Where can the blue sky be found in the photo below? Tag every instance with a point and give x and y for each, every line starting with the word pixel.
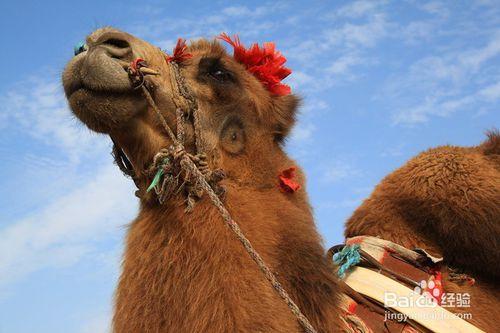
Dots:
pixel 381 82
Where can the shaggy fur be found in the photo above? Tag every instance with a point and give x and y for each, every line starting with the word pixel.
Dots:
pixel 187 272
pixel 447 201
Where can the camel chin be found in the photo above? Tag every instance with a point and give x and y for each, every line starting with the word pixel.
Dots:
pixel 105 112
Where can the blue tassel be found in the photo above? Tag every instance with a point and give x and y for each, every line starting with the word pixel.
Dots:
pixel 348 257
pixel 79 48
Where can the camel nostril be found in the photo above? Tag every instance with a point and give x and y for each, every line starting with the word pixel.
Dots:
pixel 115 46
pixel 114 43
pixel 118 43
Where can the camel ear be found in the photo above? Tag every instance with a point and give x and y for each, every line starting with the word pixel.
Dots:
pixel 283 115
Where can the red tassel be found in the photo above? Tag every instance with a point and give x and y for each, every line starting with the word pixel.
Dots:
pixel 138 62
pixel 287 184
pixel 179 54
pixel 265 63
pixel 436 291
pixel 438 282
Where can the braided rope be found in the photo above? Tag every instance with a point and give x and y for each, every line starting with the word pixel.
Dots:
pixel 180 125
pixel 190 167
pixel 182 88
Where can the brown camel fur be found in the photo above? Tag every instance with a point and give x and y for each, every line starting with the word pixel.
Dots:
pixel 447 201
pixel 187 272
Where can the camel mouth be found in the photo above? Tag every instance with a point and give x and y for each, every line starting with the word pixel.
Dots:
pixel 99 92
pixel 81 93
pixel 104 111
pixel 96 75
pixel 78 88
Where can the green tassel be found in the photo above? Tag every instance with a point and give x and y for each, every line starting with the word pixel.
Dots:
pixel 156 179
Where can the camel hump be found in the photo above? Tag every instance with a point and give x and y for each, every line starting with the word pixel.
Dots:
pixel 447 197
pixel 491 146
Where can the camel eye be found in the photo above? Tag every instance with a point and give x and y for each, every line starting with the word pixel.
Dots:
pixel 233 138
pixel 220 75
pixel 212 70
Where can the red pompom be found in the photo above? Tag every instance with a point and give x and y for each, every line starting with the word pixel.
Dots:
pixel 265 63
pixel 180 53
pixel 287 184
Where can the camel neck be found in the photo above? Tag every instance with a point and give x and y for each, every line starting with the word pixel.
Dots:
pixel 186 265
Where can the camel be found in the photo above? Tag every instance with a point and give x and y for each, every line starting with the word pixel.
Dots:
pixel 185 272
pixel 446 201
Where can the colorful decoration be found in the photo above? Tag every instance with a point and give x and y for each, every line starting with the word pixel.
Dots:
pixel 79 48
pixel 136 64
pixel 434 287
pixel 265 63
pixel 179 55
pixel 348 257
pixel 287 182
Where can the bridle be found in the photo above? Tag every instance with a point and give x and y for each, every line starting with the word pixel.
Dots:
pixel 167 174
pixel 175 170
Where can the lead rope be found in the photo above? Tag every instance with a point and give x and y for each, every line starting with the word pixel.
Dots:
pixel 191 168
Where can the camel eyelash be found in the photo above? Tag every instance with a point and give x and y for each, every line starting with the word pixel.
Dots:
pixel 212 69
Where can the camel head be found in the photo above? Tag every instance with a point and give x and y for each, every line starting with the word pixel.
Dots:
pixel 243 118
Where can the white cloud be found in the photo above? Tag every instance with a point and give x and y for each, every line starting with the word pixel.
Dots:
pixel 345 203
pixel 342 64
pixel 253 21
pixel 474 58
pixel 493 3
pixel 237 11
pixel 75 209
pixel 246 12
pixel 300 80
pixel 314 106
pixel 301 133
pixel 99 324
pixel 396 150
pixel 359 35
pixel 340 171
pixel 369 34
pixel 491 93
pixel 416 31
pixel 435 8
pixel 454 81
pixel 358 9
pixel 65 230
pixel 334 55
